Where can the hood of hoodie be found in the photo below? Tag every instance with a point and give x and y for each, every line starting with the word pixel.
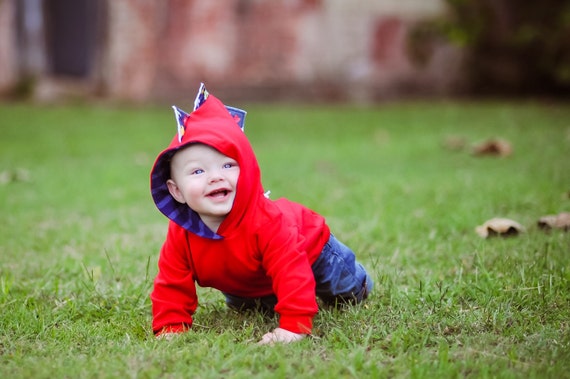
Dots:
pixel 210 124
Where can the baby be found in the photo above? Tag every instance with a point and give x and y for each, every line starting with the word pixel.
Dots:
pixel 275 256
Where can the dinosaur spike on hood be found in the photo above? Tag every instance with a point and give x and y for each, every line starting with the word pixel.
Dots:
pixel 181 116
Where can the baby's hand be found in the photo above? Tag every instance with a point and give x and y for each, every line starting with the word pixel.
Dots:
pixel 169 332
pixel 168 336
pixel 279 335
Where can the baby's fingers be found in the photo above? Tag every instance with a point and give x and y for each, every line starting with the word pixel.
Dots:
pixel 268 338
pixel 281 336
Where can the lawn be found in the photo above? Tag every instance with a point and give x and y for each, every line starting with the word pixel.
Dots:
pixel 79 242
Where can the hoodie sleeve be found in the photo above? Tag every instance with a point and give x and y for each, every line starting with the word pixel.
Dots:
pixel 174 298
pixel 288 265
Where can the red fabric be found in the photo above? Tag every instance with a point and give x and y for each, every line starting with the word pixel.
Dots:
pixel 267 247
pixel 178 328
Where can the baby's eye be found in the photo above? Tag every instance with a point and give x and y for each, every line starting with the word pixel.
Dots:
pixel 197 171
pixel 229 165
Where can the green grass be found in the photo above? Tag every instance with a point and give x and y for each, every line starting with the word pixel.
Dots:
pixel 79 241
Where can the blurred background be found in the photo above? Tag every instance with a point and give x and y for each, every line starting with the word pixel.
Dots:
pixel 283 50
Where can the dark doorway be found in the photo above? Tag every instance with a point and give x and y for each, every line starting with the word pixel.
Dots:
pixel 73 31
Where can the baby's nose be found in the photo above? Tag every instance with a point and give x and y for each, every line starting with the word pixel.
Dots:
pixel 215 176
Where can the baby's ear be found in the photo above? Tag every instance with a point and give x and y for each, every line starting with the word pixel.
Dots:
pixel 175 191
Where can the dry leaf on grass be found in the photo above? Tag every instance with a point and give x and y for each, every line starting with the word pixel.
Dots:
pixel 559 221
pixel 15 175
pixel 499 227
pixel 495 146
pixel 454 143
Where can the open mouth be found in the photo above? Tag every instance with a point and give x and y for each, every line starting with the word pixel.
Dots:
pixel 219 193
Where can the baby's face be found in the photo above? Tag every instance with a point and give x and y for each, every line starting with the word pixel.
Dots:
pixel 205 179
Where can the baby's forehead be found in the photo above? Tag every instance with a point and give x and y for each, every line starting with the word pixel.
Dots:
pixel 197 151
pixel 196 147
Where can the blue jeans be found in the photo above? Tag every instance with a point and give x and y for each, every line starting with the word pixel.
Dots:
pixel 339 279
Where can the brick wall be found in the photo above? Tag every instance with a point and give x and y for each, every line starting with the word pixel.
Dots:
pixel 260 49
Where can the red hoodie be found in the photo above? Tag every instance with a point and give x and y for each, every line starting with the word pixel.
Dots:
pixel 263 247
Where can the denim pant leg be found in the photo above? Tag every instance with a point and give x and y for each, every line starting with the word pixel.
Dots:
pixel 338 276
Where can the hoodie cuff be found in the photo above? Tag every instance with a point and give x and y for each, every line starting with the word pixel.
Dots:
pixel 176 328
pixel 296 324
